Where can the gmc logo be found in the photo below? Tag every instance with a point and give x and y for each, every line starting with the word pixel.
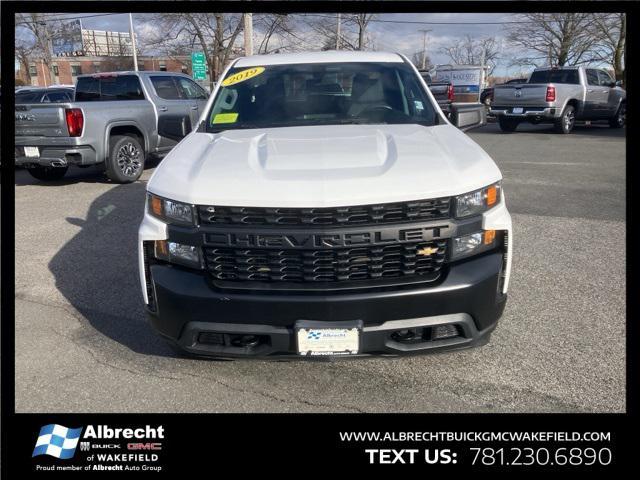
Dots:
pixel 25 117
pixel 144 446
pixel 326 240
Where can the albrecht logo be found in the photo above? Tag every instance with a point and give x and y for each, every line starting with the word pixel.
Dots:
pixel 57 441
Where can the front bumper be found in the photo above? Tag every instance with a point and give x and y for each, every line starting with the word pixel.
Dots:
pixel 186 307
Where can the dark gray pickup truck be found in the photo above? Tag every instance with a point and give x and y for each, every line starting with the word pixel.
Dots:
pixel 442 92
pixel 116 120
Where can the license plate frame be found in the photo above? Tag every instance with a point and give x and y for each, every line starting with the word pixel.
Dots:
pixel 31 152
pixel 328 339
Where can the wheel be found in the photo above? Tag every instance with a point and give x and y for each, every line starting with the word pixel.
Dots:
pixel 126 159
pixel 48 173
pixel 508 124
pixel 620 117
pixel 566 121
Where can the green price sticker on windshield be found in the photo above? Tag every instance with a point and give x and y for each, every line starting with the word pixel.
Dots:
pixel 242 76
pixel 224 118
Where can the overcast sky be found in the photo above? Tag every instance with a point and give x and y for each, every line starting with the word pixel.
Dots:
pixel 400 37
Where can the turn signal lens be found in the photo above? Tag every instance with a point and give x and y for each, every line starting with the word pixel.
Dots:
pixel 492 195
pixel 489 236
pixel 156 206
pixel 161 250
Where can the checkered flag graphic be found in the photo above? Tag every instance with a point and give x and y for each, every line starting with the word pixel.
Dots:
pixel 57 441
pixel 314 335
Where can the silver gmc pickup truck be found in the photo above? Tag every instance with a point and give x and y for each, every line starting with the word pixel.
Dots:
pixel 116 121
pixel 561 95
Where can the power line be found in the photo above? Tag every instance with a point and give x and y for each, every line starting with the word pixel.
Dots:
pixel 418 22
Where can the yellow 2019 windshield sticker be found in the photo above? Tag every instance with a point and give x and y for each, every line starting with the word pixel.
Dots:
pixel 224 118
pixel 242 76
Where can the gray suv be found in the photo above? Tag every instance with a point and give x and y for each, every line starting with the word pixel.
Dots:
pixel 116 120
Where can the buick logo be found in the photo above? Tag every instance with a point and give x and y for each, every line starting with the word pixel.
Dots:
pixel 517 92
pixel 25 117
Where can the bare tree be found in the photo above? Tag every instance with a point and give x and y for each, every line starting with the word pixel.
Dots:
pixel 611 30
pixel 353 35
pixel 40 30
pixel 24 50
pixel 361 22
pixel 555 39
pixel 214 33
pixel 274 27
pixel 321 33
pixel 474 51
pixel 416 59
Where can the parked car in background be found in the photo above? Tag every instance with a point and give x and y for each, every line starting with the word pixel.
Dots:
pixel 44 95
pixel 486 96
pixel 442 91
pixel 561 95
pixel 116 120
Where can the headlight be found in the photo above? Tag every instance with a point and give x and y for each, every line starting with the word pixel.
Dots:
pixel 171 211
pixel 173 252
pixel 473 244
pixel 478 201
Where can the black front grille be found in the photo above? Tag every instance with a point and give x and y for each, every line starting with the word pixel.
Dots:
pixel 386 213
pixel 401 260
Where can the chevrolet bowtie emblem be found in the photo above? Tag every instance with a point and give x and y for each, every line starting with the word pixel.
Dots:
pixel 426 251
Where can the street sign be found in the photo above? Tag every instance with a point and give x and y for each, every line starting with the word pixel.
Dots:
pixel 198 66
pixel 67 39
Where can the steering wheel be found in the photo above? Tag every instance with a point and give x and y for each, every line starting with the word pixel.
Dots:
pixel 377 108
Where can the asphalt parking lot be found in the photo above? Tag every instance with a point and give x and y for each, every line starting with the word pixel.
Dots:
pixel 83 345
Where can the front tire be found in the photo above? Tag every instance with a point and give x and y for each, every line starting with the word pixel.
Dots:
pixel 566 121
pixel 618 120
pixel 508 124
pixel 126 159
pixel 48 174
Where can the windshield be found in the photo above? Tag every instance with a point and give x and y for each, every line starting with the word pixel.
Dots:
pixel 320 94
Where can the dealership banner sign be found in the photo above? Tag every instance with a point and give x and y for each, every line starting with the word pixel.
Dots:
pixel 68 38
pixel 463 80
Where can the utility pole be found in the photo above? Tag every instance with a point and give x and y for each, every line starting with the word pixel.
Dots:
pixel 133 43
pixel 424 48
pixel 248 34
pixel 48 54
pixel 338 34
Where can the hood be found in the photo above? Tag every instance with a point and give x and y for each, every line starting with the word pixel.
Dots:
pixel 323 166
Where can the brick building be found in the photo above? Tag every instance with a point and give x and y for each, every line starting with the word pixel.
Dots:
pixel 67 69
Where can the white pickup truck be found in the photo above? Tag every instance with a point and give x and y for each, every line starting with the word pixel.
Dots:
pixel 325 206
pixel 560 95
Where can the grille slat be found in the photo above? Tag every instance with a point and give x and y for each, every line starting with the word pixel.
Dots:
pixel 385 213
pixel 334 265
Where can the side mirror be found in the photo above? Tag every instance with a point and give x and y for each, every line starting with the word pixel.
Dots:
pixel 466 116
pixel 617 83
pixel 174 127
